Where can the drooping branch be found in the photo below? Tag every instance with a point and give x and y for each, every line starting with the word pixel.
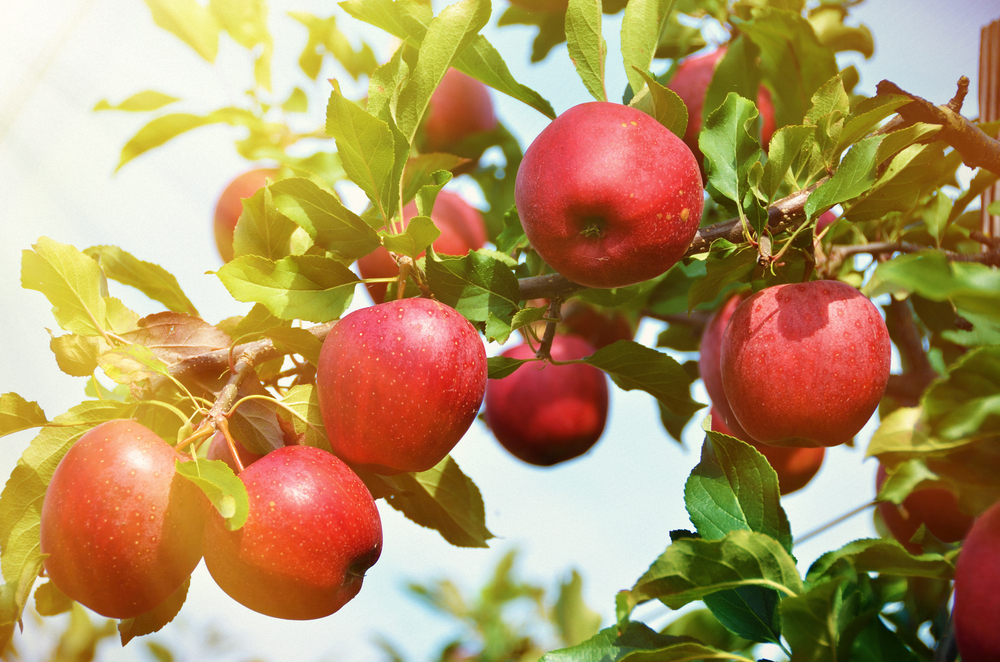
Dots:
pixel 978 150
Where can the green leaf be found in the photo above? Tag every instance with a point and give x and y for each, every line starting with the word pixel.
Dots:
pixel 750 612
pixel 965 405
pixel 794 62
pixel 786 145
pixel 867 116
pixel 308 424
pixel 324 34
pixel 419 234
pixel 154 619
pixel 77 355
pixel 634 366
pixel 409 21
pixel 447 35
pixel 573 619
pixel 71 281
pixel 662 104
pixel 372 151
pixel 263 230
pixel 444 499
pixel 636 642
pixel 730 150
pixel 720 272
pixel 811 622
pixel 190 22
pixel 691 569
pixel 166 127
pixel 50 601
pixel 499 367
pixel 296 340
pixel 702 625
pixel 140 102
pixel 306 287
pixel 587 48
pixel 386 84
pixel 318 211
pixel 129 364
pixel 734 488
pixel 21 499
pixel 476 285
pixel 421 169
pixel 911 174
pixel 855 176
pixel 736 72
pixel 877 642
pixel 244 20
pixel 886 557
pixel 151 279
pixel 224 489
pixel 830 107
pixel 642 24
pixel 18 414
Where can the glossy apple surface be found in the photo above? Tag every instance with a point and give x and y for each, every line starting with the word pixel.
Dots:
pixel 691 83
pixel 795 466
pixel 976 612
pixel 608 196
pixel 805 364
pixel 935 507
pixel 121 528
pixel 230 206
pixel 545 414
pixel 462 230
pixel 710 363
pixel 312 532
pixel 459 108
pixel 399 384
pixel 218 449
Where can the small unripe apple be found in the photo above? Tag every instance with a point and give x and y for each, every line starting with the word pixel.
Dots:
pixel 976 612
pixel 795 466
pixel 691 82
pixel 545 414
pixel 608 196
pixel 934 507
pixel 230 206
pixel 312 532
pixel 399 384
pixel 218 449
pixel 805 364
pixel 462 230
pixel 598 327
pixel 459 108
pixel 121 529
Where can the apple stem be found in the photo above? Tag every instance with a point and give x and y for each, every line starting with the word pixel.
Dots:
pixel 552 317
pixel 223 425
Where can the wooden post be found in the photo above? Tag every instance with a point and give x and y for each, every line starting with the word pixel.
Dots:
pixel 989 110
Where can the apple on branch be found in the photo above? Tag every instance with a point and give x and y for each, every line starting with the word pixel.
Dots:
pixel 976 612
pixel 230 206
pixel 934 507
pixel 399 384
pixel 460 108
pixel 805 364
pixel 608 196
pixel 546 414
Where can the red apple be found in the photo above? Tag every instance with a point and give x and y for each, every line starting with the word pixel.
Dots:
pixel 399 383
pixel 312 532
pixel 598 327
pixel 690 83
pixel 825 220
pixel 230 206
pixel 218 449
pixel 935 507
pixel 795 466
pixel 459 108
pixel 545 414
pixel 608 196
pixel 462 230
pixel 710 364
pixel 977 591
pixel 121 529
pixel 805 364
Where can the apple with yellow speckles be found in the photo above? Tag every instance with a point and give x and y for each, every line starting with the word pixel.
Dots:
pixel 312 532
pixel 805 364
pixel 608 196
pixel 399 384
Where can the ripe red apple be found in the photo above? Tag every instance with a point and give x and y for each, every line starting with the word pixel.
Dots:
pixel 935 507
pixel 710 364
pixel 598 327
pixel 795 466
pixel 218 449
pixel 805 364
pixel 459 108
pixel 399 383
pixel 825 220
pixel 312 532
pixel 977 591
pixel 545 414
pixel 230 206
pixel 690 83
pixel 608 196
pixel 121 529
pixel 462 230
